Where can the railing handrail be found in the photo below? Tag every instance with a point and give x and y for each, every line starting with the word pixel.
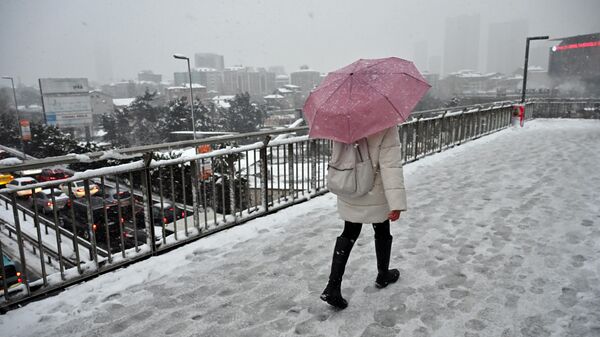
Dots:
pixel 139 150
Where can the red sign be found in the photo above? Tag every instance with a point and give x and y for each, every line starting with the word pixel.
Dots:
pixel 577 46
pixel 25 130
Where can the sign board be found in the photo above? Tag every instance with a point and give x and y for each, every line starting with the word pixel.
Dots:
pixel 64 85
pixel 25 130
pixel 68 110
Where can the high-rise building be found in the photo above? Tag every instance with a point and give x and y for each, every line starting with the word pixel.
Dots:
pixel 282 80
pixel 149 76
pixel 211 78
pixel 434 65
pixel 421 55
pixel 102 60
pixel 209 60
pixel 461 43
pixel 278 70
pixel 506 46
pixel 306 79
pixel 242 79
pixel 124 89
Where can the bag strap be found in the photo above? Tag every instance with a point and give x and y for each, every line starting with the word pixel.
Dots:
pixel 362 143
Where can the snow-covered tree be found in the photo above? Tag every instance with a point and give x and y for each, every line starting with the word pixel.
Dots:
pixel 143 115
pixel 176 117
pixel 117 128
pixel 49 141
pixel 9 132
pixel 241 116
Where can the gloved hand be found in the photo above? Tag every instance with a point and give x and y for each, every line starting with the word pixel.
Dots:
pixel 394 215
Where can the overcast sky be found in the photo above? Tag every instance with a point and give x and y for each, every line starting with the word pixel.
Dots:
pixel 115 38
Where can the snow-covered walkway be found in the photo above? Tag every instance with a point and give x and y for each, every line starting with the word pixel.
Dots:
pixel 502 239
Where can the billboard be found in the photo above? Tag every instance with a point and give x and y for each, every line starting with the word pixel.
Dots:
pixel 68 110
pixel 66 102
pixel 576 57
pixel 64 85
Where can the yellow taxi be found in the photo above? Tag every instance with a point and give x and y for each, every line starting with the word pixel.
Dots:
pixel 5 178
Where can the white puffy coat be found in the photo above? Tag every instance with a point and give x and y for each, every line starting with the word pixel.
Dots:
pixel 388 192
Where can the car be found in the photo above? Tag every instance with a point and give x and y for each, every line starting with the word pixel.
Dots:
pixel 52 174
pixel 159 218
pixel 142 235
pixel 5 178
pixel 78 188
pixel 13 276
pixel 99 222
pixel 111 196
pixel 165 214
pixel 43 200
pixel 21 182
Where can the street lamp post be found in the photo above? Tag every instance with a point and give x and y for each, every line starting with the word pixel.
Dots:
pixel 12 82
pixel 526 61
pixel 182 57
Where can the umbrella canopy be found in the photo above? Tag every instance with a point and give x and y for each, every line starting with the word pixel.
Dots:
pixel 364 98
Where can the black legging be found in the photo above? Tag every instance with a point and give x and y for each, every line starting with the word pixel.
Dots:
pixel 352 230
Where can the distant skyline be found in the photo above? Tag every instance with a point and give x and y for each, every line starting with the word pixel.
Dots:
pixel 113 40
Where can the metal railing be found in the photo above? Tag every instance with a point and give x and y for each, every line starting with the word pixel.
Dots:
pixel 155 205
pixel 575 108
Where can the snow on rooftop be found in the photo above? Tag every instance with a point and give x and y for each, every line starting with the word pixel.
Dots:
pixel 274 96
pixel 187 86
pixel 235 68
pixel 536 68
pixel 204 69
pixel 223 100
pixel 123 101
pixel 500 239
pixel 284 90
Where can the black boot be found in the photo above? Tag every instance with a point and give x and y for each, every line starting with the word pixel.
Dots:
pixel 332 293
pixel 385 276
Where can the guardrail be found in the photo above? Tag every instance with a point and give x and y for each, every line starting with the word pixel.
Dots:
pixel 223 188
pixel 576 108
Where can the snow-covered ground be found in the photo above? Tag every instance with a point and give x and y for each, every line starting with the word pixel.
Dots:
pixel 502 239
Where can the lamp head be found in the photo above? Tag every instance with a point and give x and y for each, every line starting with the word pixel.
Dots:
pixel 180 56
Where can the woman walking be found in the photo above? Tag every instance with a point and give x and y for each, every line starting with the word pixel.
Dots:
pixel 380 206
pixel 366 99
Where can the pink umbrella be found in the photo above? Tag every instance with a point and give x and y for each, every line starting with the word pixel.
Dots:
pixel 364 98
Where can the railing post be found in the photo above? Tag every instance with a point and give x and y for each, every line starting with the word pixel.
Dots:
pixel 147 200
pixel 441 135
pixel 59 241
pixel 20 243
pixel 461 127
pixel 3 273
pixel 313 164
pixel 74 231
pixel 416 138
pixel 264 174
pixel 195 197
pixel 291 180
pixel 232 199
pixel 39 238
pixel 404 138
pixel 90 223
